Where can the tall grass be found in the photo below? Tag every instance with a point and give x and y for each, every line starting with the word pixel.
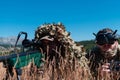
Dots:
pixel 59 68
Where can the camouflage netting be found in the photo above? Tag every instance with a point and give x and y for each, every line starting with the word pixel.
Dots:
pixel 64 59
pixel 58 37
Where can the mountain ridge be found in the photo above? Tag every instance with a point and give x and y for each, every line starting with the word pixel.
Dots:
pixel 9 40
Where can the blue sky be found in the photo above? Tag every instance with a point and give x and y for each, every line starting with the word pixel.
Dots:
pixel 80 17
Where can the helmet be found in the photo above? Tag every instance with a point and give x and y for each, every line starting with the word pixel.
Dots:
pixel 106 36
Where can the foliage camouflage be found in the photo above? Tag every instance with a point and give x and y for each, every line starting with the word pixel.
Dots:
pixel 62 54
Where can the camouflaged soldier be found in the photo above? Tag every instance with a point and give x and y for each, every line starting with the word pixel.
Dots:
pixel 105 56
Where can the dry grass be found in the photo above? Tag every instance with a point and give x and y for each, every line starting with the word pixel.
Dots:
pixel 50 71
pixel 2 71
pixel 59 68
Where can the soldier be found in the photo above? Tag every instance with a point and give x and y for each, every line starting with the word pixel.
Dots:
pixel 104 58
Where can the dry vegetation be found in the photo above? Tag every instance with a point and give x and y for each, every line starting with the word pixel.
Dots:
pixel 64 60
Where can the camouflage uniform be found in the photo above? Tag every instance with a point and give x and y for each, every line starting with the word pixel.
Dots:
pixel 96 59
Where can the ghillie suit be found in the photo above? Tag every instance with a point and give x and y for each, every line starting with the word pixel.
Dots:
pixel 97 59
pixel 64 60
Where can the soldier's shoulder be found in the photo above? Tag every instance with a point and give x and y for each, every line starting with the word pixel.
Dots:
pixel 118 50
pixel 119 47
pixel 95 49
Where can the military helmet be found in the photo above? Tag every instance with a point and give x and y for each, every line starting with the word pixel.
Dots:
pixel 106 36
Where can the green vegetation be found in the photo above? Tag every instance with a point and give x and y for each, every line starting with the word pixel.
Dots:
pixel 88 44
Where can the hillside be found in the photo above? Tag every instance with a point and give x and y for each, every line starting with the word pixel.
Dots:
pixel 9 40
pixel 88 44
pixel 7 44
